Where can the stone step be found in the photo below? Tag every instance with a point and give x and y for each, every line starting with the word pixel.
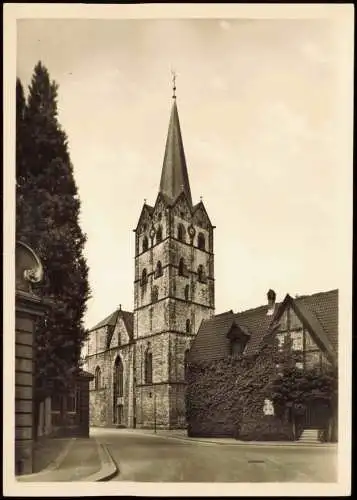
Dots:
pixel 310 436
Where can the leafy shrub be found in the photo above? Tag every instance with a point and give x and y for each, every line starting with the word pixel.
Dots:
pixel 267 428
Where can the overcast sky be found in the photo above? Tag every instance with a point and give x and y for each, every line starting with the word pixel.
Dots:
pixel 259 105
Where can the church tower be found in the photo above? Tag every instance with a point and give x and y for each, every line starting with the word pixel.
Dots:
pixel 173 288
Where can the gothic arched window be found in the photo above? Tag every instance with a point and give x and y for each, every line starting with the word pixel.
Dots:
pixel 118 378
pixel 181 232
pixel 201 241
pixel 158 271
pixel 148 366
pixel 186 362
pixel 181 267
pixel 188 326
pixel 154 294
pixel 145 243
pixel 159 234
pixel 97 378
pixel 144 277
pixel 187 292
pixel 200 273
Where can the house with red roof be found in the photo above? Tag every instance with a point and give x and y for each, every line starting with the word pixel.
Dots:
pixel 310 323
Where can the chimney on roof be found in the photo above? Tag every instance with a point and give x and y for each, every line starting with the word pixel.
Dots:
pixel 119 307
pixel 271 297
pixel 271 302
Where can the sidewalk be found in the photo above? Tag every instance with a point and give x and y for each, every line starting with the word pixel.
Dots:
pixel 182 435
pixel 79 459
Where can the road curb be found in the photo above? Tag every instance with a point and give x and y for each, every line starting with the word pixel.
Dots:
pixel 54 465
pixel 286 444
pixel 256 443
pixel 108 469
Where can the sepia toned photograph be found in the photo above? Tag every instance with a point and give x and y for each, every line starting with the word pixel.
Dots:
pixel 179 222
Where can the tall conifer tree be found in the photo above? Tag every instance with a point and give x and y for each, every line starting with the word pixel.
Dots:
pixel 48 209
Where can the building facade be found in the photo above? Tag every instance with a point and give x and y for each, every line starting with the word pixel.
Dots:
pixel 305 330
pixel 139 359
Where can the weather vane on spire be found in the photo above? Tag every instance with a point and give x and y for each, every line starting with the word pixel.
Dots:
pixel 173 84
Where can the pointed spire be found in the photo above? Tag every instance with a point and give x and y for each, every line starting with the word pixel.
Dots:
pixel 174 176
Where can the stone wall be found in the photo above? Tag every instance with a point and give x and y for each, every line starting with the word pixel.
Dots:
pixel 101 401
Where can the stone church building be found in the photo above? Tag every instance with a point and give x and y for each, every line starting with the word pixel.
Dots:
pixel 138 358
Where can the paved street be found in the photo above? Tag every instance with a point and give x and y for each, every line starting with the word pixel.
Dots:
pixel 146 457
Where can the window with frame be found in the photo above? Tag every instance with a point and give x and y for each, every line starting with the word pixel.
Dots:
pixel 145 244
pixel 148 366
pixel 237 347
pixel 181 268
pixel 158 271
pixel 188 326
pixel 200 273
pixel 281 341
pixel 187 292
pixel 181 232
pixel 159 234
pixel 118 377
pixel 201 241
pixel 97 378
pixel 154 294
pixel 144 277
pixel 297 341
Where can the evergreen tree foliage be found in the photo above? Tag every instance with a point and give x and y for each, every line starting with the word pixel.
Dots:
pixel 48 209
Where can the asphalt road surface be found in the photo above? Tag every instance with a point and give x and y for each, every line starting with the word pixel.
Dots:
pixel 146 457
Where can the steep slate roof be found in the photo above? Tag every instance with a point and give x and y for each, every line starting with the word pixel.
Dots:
pixel 174 176
pixel 111 320
pixel 108 321
pixel 324 307
pixel 211 336
pixel 319 310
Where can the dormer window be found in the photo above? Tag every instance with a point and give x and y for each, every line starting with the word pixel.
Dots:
pixel 238 336
pixel 145 244
pixel 237 347
pixel 181 232
pixel 201 241
pixel 159 234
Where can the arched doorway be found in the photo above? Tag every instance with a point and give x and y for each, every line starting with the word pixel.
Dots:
pixel 118 392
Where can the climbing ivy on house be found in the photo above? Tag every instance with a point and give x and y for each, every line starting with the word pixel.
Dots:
pixel 226 396
pixel 293 390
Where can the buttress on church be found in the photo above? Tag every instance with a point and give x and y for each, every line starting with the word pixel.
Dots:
pixel 139 359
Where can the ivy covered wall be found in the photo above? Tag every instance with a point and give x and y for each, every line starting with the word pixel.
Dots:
pixel 226 397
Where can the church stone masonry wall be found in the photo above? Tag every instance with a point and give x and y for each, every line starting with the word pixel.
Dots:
pixel 153 400
pixel 101 401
